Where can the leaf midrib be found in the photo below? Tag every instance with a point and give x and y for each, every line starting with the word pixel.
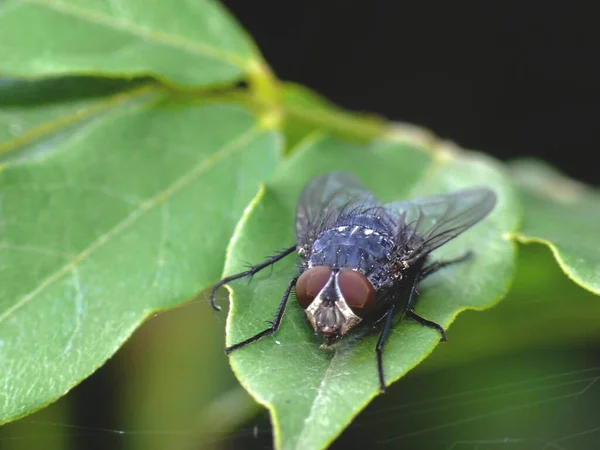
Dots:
pixel 227 149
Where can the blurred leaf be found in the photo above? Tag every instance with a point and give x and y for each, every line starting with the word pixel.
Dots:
pixel 312 393
pixel 30 94
pixel 32 111
pixel 47 429
pixel 305 112
pixel 130 215
pixel 537 399
pixel 170 372
pixel 563 214
pixel 186 42
pixel 543 309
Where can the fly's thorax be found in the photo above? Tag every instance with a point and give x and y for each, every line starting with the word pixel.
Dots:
pixel 356 247
pixel 335 300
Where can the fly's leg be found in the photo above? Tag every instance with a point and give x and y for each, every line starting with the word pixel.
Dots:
pixel 411 301
pixel 434 267
pixel 274 324
pixel 248 273
pixel 387 324
pixel 428 323
pixel 387 318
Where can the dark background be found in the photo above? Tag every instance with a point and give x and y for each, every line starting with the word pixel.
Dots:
pixel 507 78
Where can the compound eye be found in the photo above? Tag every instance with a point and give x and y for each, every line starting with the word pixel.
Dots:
pixel 357 291
pixel 311 283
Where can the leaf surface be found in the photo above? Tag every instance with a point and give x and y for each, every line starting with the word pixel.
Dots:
pixel 563 214
pixel 186 42
pixel 312 393
pixel 33 111
pixel 129 215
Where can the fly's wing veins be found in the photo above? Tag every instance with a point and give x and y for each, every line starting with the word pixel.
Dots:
pixel 430 222
pixel 324 199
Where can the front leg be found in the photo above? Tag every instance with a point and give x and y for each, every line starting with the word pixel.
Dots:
pixel 274 324
pixel 248 273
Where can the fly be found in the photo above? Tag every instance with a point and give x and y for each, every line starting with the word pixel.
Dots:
pixel 361 261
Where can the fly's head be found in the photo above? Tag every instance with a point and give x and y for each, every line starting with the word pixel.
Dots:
pixel 335 300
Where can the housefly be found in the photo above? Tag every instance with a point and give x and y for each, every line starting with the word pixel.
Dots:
pixel 361 261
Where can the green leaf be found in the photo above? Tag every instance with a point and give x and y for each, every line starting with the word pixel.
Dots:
pixel 313 394
pixel 186 42
pixel 130 215
pixel 541 301
pixel 563 214
pixel 31 111
pixel 306 112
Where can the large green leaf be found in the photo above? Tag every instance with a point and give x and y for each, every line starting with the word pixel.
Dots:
pixel 129 215
pixel 187 42
pixel 563 214
pixel 312 393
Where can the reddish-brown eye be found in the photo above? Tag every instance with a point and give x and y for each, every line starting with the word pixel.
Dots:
pixel 310 284
pixel 357 291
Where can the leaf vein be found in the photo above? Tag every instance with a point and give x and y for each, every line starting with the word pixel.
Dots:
pixel 319 395
pixel 159 199
pixel 62 122
pixel 78 300
pixel 160 257
pixel 197 48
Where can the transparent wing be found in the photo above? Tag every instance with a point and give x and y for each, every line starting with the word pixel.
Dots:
pixel 428 223
pixel 324 199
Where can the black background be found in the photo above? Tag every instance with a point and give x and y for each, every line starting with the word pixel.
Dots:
pixel 507 78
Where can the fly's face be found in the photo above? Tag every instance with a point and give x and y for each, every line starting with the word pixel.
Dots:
pixel 335 300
